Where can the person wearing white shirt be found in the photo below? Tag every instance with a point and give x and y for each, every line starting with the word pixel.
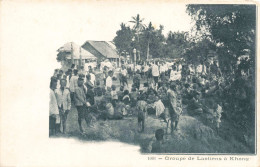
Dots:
pixel 73 84
pixel 138 67
pixel 124 76
pixel 54 119
pixel 64 102
pixel 155 74
pixel 109 80
pixel 174 74
pixel 92 77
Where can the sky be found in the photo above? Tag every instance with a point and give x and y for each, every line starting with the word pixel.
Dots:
pixel 47 26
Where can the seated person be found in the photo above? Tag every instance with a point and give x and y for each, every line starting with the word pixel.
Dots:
pixel 122 108
pixel 133 96
pixel 120 93
pixel 136 80
pixel 158 106
pixel 151 96
pixel 107 95
pixel 109 113
pixel 99 91
pixel 126 98
pixel 194 106
pixel 162 93
pixel 114 96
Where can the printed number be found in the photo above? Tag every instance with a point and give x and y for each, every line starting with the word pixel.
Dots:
pixel 151 158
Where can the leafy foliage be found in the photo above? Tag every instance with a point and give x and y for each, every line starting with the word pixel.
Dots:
pixel 61 56
pixel 147 38
pixel 123 38
pixel 176 44
pixel 231 28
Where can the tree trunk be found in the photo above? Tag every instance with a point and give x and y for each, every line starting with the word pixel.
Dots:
pixel 72 60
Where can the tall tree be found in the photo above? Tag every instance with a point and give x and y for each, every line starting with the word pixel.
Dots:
pixel 231 27
pixel 155 39
pixel 123 39
pixel 138 27
pixel 176 44
pixel 138 23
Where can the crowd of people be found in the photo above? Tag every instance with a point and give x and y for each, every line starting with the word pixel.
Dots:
pixel 159 88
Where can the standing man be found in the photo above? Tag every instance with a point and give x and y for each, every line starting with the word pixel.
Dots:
pixel 81 103
pixel 155 74
pixel 64 102
pixel 73 84
pixel 92 76
pixel 54 119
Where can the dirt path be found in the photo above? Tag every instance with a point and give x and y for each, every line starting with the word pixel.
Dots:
pixel 192 136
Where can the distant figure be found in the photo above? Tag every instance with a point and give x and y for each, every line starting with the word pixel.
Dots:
pixel 155 74
pixel 109 80
pixel 73 67
pixel 56 71
pixel 92 76
pixel 73 84
pixel 123 76
pixel 114 96
pixel 90 90
pixel 157 146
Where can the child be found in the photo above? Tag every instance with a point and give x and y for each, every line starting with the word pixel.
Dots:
pixel 99 91
pixel 114 96
pixel 133 96
pixel 217 116
pixel 120 93
pixel 121 108
pixel 141 109
pixel 157 146
pixel 136 80
pixel 162 93
pixel 126 98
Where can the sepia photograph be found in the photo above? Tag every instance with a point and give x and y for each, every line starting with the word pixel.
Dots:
pixel 189 89
pixel 128 83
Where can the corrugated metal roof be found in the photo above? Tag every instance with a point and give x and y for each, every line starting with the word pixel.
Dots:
pixel 105 48
pixel 77 50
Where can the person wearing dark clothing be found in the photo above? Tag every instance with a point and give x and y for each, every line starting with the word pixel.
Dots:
pixel 157 146
pixel 90 92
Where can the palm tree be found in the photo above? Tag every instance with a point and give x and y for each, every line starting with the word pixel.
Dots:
pixel 123 26
pixel 149 30
pixel 138 23
pixel 138 27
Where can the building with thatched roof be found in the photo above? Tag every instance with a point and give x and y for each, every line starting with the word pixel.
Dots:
pixel 71 53
pixel 102 50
